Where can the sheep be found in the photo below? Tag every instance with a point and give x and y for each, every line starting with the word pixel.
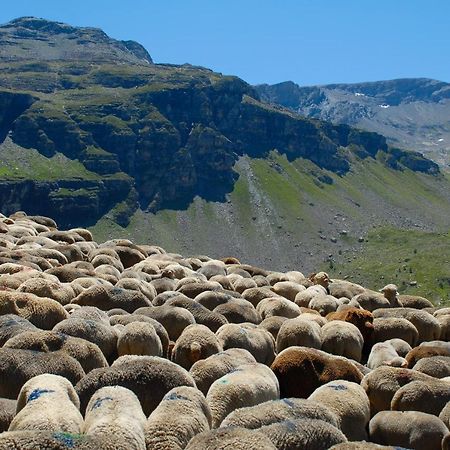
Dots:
pixel 303 298
pixel 257 341
pixel 48 403
pixel 130 318
pixel 18 366
pixel 212 299
pixel 42 312
pixel 248 385
pixel 241 284
pixel 391 294
pixel 301 370
pixel 224 281
pixel 273 324
pixel 139 338
pixel 384 354
pixel 273 411
pixel 69 272
pixel 343 339
pixel 444 323
pixel 303 434
pixel 400 346
pixel 371 300
pixel 230 438
pixel 211 268
pixel 238 310
pixel 105 298
pixel 142 286
pixel 149 377
pixel 90 313
pixel 63 293
pixel 182 414
pixel 7 413
pixel 409 429
pixel 299 332
pixel 11 325
pixel 427 325
pixel 208 370
pixel 172 318
pixel 114 412
pixel 93 331
pixel 417 353
pixel 288 289
pixel 414 301
pixel 255 295
pixel 191 290
pixel 435 366
pixel 277 306
pixel 344 288
pixel 86 353
pixel 349 402
pixel 382 383
pixel 428 396
pixel 362 446
pixel 395 327
pixel 444 415
pixel 202 315
pixel 195 343
pixel 362 319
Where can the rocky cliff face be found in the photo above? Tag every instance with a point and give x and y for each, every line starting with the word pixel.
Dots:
pixel 168 133
pixel 411 113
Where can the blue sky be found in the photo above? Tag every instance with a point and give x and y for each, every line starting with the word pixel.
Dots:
pixel 307 41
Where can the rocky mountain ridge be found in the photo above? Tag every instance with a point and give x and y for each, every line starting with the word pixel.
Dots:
pixel 412 113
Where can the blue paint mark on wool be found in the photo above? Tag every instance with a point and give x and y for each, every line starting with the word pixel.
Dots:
pixel 99 402
pixel 37 393
pixel 69 440
pixel 175 396
pixel 338 387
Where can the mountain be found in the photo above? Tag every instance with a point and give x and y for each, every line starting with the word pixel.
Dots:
pixel 191 158
pixel 412 113
pixel 31 38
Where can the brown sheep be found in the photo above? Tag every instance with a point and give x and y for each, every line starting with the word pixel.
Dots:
pixel 301 370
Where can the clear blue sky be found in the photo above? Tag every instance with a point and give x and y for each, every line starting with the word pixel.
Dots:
pixel 307 41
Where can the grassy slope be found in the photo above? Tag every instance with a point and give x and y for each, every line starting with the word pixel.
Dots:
pixel 18 163
pixel 281 216
pixel 404 257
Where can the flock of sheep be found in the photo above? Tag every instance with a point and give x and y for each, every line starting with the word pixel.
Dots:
pixel 124 346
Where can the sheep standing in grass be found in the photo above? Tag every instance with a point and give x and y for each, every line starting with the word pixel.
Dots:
pixel 48 402
pixel 115 413
pixel 182 414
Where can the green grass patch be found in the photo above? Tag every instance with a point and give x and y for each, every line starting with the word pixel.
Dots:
pixel 417 262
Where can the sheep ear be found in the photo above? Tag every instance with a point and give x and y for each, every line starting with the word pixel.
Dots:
pixel 73 397
pixel 21 400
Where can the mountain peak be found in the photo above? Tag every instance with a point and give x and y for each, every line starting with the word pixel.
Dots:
pixel 34 38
